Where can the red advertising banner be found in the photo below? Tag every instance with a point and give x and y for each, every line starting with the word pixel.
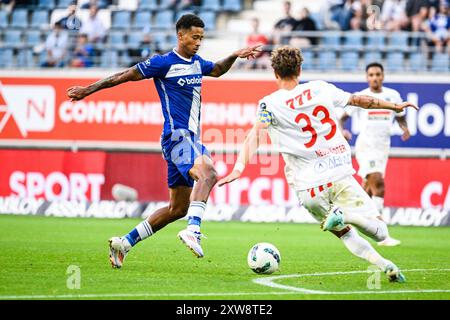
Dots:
pixel 52 175
pixel 64 175
pixel 38 109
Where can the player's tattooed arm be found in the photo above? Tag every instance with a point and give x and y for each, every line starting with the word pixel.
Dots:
pixel 368 102
pixel 221 67
pixel 130 74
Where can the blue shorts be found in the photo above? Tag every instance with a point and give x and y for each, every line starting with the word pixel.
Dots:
pixel 180 149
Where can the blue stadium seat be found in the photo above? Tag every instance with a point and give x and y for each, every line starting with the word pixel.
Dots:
pixel 160 39
pixel 440 62
pixel 134 39
pixel 165 4
pixel 6 58
pixel 209 18
pixel 372 56
pixel 327 60
pixel 394 61
pixel 331 40
pixel 232 5
pixel 125 59
pixel 116 39
pixel 213 5
pixel 13 38
pixel 164 19
pixel 121 20
pixel 19 18
pixel 3 19
pixel 375 40
pixel 39 19
pixel 25 58
pixel 180 13
pixel 398 41
pixel 47 4
pixel 417 62
pixel 353 40
pixel 142 20
pixel 63 3
pixel 349 61
pixel 148 4
pixel 33 37
pixel 308 60
pixel 109 59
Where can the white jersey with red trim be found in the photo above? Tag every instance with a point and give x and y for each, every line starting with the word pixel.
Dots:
pixel 303 127
pixel 376 125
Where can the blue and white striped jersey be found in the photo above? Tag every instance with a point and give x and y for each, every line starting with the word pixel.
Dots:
pixel 178 81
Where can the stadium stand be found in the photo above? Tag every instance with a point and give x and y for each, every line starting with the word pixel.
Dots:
pixel 27 26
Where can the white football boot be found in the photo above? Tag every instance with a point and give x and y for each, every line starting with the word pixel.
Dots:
pixel 192 240
pixel 389 242
pixel 394 274
pixel 118 250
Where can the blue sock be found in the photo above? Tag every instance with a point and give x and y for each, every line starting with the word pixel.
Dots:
pixel 142 231
pixel 195 214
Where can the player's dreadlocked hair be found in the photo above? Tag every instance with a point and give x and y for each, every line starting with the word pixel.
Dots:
pixel 286 61
pixel 189 20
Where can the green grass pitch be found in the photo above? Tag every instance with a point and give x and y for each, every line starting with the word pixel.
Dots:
pixel 37 253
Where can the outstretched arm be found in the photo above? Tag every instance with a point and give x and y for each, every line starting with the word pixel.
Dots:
pixel 368 102
pixel 224 65
pixel 130 74
pixel 248 150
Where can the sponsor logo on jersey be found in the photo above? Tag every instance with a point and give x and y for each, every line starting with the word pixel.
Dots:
pixel 190 81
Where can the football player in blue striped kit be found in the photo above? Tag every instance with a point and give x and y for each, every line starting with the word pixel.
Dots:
pixel 177 77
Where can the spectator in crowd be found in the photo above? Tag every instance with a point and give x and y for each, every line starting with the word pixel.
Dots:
pixel 7 5
pixel 284 25
pixel 304 23
pixel 342 12
pixel 416 11
pixel 93 26
pixel 71 21
pixel 56 47
pixel 370 15
pixel 393 15
pixel 437 28
pixel 83 53
pixel 262 59
pixel 144 51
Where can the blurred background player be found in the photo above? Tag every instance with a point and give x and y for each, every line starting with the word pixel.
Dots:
pixel 374 140
pixel 301 123
pixel 177 76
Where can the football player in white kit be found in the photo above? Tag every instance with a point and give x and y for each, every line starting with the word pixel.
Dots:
pixel 374 140
pixel 302 125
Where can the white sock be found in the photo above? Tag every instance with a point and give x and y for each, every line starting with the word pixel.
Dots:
pixel 371 227
pixel 360 247
pixel 195 214
pixel 379 203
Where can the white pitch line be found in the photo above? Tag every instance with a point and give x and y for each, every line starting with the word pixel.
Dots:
pixel 269 282
pixel 290 291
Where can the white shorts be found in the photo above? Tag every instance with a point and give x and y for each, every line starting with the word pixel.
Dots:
pixel 347 194
pixel 371 162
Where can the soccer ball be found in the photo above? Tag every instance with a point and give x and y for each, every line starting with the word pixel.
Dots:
pixel 264 258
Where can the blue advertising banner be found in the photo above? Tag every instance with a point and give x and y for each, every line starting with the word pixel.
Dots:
pixel 429 127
